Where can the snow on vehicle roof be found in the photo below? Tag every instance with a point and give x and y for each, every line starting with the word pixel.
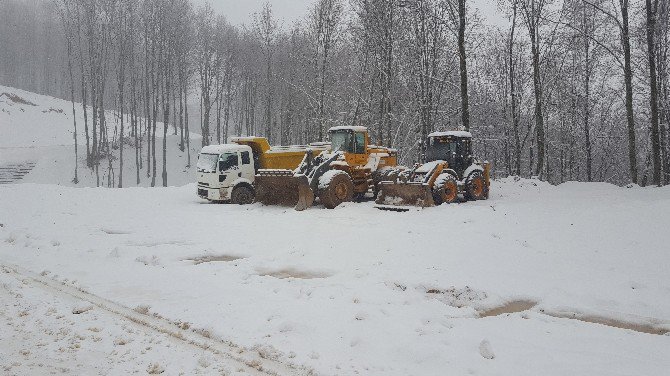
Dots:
pixel 218 149
pixel 451 133
pixel 300 148
pixel 244 138
pixel 348 128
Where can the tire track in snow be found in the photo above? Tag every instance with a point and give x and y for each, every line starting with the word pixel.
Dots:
pixel 235 356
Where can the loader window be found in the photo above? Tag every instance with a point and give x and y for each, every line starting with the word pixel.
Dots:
pixel 227 161
pixel 441 148
pixel 341 141
pixel 359 143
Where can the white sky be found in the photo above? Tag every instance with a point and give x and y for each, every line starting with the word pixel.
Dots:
pixel 240 11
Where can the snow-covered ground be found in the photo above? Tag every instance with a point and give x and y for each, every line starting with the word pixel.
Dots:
pixel 538 280
pixel 38 129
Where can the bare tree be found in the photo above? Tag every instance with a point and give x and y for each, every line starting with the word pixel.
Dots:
pixel 652 10
pixel 206 55
pixel 266 28
pixel 325 19
pixel 533 11
pixel 67 18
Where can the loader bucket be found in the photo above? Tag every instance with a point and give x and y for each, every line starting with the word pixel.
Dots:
pixel 405 194
pixel 283 188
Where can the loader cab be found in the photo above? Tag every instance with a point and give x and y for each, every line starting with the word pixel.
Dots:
pixel 454 147
pixel 351 140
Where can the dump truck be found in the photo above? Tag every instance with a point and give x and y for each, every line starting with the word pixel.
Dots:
pixel 450 170
pixel 250 170
pixel 226 173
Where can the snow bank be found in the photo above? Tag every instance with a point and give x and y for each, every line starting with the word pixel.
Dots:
pixel 39 129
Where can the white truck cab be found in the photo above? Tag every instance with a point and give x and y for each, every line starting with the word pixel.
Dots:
pixel 226 173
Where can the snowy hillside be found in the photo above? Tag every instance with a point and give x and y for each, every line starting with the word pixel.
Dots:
pixel 539 280
pixel 37 138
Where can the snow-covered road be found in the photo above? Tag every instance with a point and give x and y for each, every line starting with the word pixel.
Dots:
pixel 518 285
pixel 58 328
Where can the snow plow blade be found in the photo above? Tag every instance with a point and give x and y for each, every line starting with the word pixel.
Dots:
pixel 283 188
pixel 404 194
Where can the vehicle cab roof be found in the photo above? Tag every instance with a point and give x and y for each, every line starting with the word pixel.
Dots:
pixel 348 128
pixel 224 148
pixel 463 134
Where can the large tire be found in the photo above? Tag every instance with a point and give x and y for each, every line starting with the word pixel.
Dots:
pixel 475 186
pixel 445 189
pixel 242 195
pixel 339 189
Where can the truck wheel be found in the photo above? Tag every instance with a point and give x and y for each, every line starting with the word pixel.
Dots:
pixel 475 186
pixel 445 189
pixel 339 189
pixel 242 195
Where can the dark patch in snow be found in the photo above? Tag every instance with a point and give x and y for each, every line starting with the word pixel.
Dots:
pixel 14 172
pixel 456 297
pixel 82 309
pixel 16 99
pixel 56 110
pixel 287 273
pixel 213 258
pixel 158 243
pixel 652 326
pixel 109 231
pixel 514 306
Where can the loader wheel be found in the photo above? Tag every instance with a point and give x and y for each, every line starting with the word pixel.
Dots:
pixel 338 190
pixel 242 196
pixel 475 186
pixel 446 189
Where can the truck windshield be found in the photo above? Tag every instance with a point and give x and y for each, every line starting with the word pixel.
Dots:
pixel 207 162
pixel 227 161
pixel 341 141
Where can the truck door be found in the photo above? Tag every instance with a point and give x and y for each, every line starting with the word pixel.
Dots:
pixel 247 166
pixel 229 168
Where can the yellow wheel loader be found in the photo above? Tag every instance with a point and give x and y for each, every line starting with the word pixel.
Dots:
pixel 450 170
pixel 347 169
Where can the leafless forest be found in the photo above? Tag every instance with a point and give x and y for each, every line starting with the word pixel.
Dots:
pixel 571 90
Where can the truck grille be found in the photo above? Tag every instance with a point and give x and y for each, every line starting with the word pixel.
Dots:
pixel 202 192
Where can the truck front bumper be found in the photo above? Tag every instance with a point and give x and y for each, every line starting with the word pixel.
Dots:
pixel 213 194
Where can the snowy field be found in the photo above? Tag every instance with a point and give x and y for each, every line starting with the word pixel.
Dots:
pixel 538 280
pixel 356 290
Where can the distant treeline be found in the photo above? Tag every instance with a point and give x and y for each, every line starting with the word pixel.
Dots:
pixel 571 90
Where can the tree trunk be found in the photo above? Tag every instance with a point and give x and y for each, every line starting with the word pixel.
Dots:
pixel 587 92
pixel 69 32
pixel 513 95
pixel 187 134
pixel 465 110
pixel 539 117
pixel 628 78
pixel 653 97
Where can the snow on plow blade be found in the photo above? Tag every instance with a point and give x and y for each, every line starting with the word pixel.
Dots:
pixel 284 188
pixel 405 194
